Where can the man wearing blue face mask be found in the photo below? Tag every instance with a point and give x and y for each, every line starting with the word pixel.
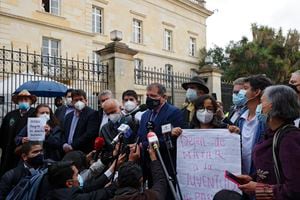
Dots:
pixel 239 101
pixel 194 89
pixel 12 124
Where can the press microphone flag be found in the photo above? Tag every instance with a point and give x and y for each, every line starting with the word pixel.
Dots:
pixel 123 128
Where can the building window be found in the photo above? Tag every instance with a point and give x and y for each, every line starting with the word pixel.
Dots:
pixel 97 20
pixel 192 47
pixel 51 51
pixel 138 65
pixel 51 6
pixel 137 26
pixel 168 40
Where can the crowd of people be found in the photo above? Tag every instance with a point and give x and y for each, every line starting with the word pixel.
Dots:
pixel 107 153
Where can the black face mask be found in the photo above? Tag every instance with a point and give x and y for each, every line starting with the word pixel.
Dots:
pixel 152 103
pixel 36 161
pixel 294 87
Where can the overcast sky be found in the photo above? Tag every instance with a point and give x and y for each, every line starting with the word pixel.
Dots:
pixel 232 19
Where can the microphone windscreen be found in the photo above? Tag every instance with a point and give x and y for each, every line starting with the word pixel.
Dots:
pixel 99 143
pixel 152 138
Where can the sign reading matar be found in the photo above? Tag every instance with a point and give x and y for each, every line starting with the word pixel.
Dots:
pixel 202 157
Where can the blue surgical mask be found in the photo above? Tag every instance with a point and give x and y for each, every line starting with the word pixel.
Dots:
pixel 240 98
pixel 260 116
pixel 80 180
pixel 23 105
pixel 191 94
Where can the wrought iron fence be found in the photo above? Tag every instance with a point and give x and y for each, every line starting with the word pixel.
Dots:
pixel 18 67
pixel 147 75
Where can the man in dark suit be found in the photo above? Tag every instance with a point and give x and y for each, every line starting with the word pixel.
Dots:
pixel 63 110
pixel 160 113
pixel 81 125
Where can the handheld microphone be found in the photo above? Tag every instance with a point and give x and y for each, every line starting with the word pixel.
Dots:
pixel 98 145
pixel 166 131
pixel 153 139
pixel 139 108
pixel 123 128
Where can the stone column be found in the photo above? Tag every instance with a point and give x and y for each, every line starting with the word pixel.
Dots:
pixel 120 67
pixel 213 76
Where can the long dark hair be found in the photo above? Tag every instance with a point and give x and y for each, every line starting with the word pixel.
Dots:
pixel 53 120
pixel 199 104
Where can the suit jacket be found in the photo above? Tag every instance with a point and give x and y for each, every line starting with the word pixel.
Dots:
pixel 86 129
pixel 167 114
pixel 60 113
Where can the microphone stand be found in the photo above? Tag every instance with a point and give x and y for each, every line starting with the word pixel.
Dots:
pixel 169 146
pixel 118 154
pixel 169 178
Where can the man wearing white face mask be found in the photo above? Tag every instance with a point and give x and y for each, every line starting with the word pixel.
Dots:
pixel 81 125
pixel 62 111
pixel 194 89
pixel 110 130
pixel 130 102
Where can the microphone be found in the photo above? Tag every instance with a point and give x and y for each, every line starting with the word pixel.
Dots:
pixel 139 108
pixel 98 145
pixel 153 139
pixel 123 128
pixel 166 131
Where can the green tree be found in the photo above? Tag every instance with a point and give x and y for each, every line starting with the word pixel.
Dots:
pixel 269 52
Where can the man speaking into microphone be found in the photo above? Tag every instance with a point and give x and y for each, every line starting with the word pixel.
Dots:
pixel 160 113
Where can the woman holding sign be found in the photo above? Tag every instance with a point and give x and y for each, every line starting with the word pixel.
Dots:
pixel 277 157
pixel 52 143
pixel 205 115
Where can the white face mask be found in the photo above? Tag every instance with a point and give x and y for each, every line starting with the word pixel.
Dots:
pixel 45 116
pixel 69 101
pixel 129 106
pixel 79 105
pixel 191 94
pixel 114 117
pixel 204 116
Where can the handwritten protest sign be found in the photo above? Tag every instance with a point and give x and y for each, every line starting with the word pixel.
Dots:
pixel 36 128
pixel 202 157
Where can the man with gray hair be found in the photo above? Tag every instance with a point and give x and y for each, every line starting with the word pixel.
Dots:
pixel 103 96
pixel 295 83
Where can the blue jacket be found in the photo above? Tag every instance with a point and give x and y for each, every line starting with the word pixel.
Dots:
pixel 167 114
pixel 259 133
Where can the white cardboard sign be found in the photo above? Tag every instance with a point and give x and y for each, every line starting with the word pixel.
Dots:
pixel 36 128
pixel 202 157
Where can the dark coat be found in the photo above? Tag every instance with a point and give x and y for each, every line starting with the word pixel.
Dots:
pixel 86 130
pixel 11 178
pixel 167 114
pixel 60 114
pixel 52 145
pixel 11 125
pixel 157 192
pixel 78 194
pixel 289 157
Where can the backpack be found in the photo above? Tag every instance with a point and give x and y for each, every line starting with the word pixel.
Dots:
pixel 27 188
pixel 275 149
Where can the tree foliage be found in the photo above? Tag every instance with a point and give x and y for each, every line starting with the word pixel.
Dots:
pixel 269 52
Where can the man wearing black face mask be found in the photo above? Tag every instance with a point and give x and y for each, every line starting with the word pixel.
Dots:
pixel 160 113
pixel 32 157
pixel 294 83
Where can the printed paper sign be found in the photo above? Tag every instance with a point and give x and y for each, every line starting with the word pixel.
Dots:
pixel 36 128
pixel 202 157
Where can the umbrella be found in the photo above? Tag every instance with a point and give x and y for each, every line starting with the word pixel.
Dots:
pixel 43 88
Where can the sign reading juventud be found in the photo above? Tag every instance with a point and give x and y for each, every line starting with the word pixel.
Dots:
pixel 202 157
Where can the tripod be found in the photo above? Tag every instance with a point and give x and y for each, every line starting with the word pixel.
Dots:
pixel 169 147
pixel 169 178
